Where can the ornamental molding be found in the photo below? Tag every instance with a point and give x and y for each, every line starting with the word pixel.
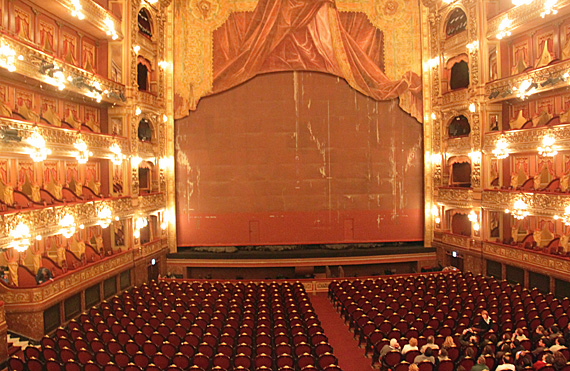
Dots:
pixel 45 221
pixel 525 140
pixel 520 15
pixel 524 258
pixel 456 240
pixel 61 140
pixel 458 146
pixel 96 15
pixel 540 204
pixel 455 96
pixel 462 198
pixel 69 284
pixel 538 75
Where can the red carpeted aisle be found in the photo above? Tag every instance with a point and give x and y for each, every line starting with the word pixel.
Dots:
pixel 345 347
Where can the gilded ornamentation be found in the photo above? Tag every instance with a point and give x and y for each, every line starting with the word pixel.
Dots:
pixel 456 240
pixel 528 139
pixel 538 203
pixel 455 197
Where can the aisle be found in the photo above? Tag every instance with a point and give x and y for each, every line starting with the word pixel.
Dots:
pixel 345 347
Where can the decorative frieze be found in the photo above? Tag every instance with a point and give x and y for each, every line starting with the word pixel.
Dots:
pixel 527 139
pixel 455 197
pixel 456 240
pixel 538 203
pixel 458 146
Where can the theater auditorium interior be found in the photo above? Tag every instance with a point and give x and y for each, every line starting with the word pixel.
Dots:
pixel 284 185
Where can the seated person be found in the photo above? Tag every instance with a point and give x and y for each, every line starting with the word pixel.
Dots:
pixel 559 343
pixel 481 365
pixel 547 359
pixel 394 345
pixel 519 335
pixel 426 356
pixel 542 346
pixel 412 345
pixel 430 344
pixel 505 365
pixel 43 275
pixel 485 323
pixel 443 355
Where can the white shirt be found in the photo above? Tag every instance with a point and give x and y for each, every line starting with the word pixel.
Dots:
pixel 407 348
pixel 506 366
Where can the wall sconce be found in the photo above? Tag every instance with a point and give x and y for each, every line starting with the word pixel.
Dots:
pixel 110 28
pixel 504 28
pixel 8 57
pixel 526 89
pixel 519 210
pixel 564 218
pixel 39 151
pixel 473 46
pixel 82 154
pixel 163 64
pixel 136 49
pixel 549 8
pixel 76 10
pixel 67 224
pixel 501 150
pixel 117 157
pixel 547 149
pixel 472 107
pixel 20 237
pixel 164 118
pixel 474 220
pixel 105 217
pixel 435 214
pixel 135 161
pixel 140 223
pixel 521 2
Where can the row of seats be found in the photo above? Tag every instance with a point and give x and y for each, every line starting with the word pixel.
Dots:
pixel 192 325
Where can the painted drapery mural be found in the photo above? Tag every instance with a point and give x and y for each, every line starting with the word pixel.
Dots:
pixel 373 45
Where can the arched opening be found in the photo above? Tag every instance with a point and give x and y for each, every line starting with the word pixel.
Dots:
pixel 459 78
pixel 144 22
pixel 143 74
pixel 145 131
pixel 460 224
pixel 145 177
pixel 461 174
pixel 456 22
pixel 458 127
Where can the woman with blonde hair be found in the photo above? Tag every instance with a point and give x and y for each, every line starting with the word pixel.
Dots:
pixel 412 345
pixel 448 343
pixel 413 367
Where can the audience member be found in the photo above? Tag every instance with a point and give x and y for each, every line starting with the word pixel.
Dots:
pixel 413 367
pixel 448 342
pixel 519 335
pixel 430 344
pixel 443 356
pixel 485 323
pixel 546 359
pixel 559 360
pixel 505 365
pixel 43 275
pixel 412 345
pixel 425 356
pixel 389 347
pixel 541 346
pixel 559 343
pixel 481 365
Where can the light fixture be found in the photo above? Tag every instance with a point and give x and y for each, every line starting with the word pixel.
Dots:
pixel 76 10
pixel 433 116
pixel 117 157
pixel 20 236
pixel 140 223
pixel 547 149
pixel 39 237
pixel 475 156
pixel 165 219
pixel 110 28
pixel 521 2
pixel 431 63
pixel 549 8
pixel 163 64
pixel 519 210
pixel 504 28
pixel 474 220
pixel 136 49
pixel 501 149
pixel 526 89
pixel 164 118
pixel 82 154
pixel 566 217
pixel 135 161
pixel 472 107
pixel 435 214
pixel 7 57
pixel 165 162
pixel 39 151
pixel 105 217
pixel 473 46
pixel 138 111
pixel 67 224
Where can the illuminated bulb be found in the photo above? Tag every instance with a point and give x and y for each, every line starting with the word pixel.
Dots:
pixel 472 46
pixel 105 217
pixel 110 28
pixel 82 154
pixel 136 49
pixel 472 216
pixel 7 57
pixel 472 107
pixel 164 225
pixel 431 63
pixel 76 10
pixel 519 211
pixel 117 157
pixel 547 149
pixel 566 217
pixel 549 8
pixel 502 149
pixel 521 2
pixel 433 116
pixel 163 64
pixel 39 151
pixel 164 118
pixel 39 237
pixel 20 236
pixel 476 227
pixel 138 111
pixel 504 28
pixel 137 233
pixel 67 224
pixel 435 158
pixel 81 226
pixel 135 161
pixel 525 89
pixel 475 156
